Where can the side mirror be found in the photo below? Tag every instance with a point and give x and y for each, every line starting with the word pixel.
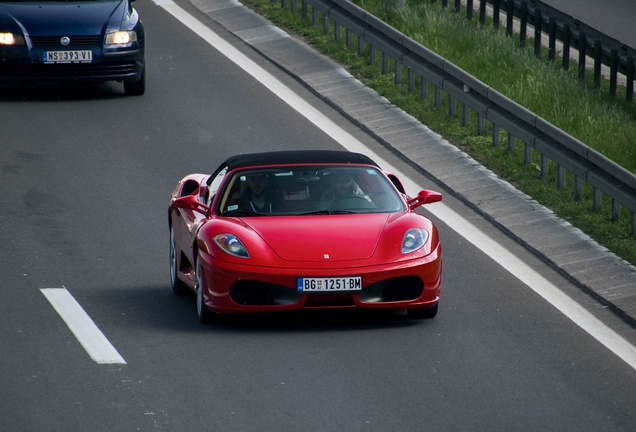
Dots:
pixel 191 202
pixel 424 197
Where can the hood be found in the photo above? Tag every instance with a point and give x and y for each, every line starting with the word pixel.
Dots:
pixel 48 18
pixel 313 238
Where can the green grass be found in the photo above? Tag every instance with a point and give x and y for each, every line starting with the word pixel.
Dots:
pixel 590 115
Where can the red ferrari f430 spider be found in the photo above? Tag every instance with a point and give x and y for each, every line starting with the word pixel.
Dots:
pixel 290 230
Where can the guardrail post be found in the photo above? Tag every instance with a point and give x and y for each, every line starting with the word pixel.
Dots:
pixel 385 63
pixel 560 177
pixel 482 13
pixel 465 115
pixel 337 31
pixel 458 5
pixel 361 46
pixel 613 71
pixel 552 27
pixel 348 38
pixel 634 223
pixel 582 54
pixel 496 135
pixel 496 5
pixel 314 16
pixel 510 17
pixel 511 142
pixel 372 55
pixel 303 9
pixel 438 97
pixel 523 24
pixel 294 7
pixel 398 72
pixel 545 162
pixel 481 124
pixel 597 200
pixel 538 24
pixel 616 209
pixel 598 53
pixel 452 106
pixel 469 9
pixel 410 80
pixel 578 188
pixel 527 155
pixel 424 88
pixel 567 40
pixel 326 24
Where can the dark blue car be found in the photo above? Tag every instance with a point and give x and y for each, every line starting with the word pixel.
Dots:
pixel 62 41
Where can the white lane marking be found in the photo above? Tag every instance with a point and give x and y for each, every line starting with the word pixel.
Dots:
pixel 82 326
pixel 551 293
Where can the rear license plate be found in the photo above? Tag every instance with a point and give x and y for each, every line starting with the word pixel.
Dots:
pixel 329 284
pixel 84 56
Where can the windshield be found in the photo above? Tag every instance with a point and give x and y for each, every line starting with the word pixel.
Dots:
pixel 306 190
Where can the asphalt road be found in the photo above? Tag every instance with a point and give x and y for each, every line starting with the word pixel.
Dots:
pixel 86 175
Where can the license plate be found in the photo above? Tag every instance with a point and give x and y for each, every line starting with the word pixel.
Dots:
pixel 330 284
pixel 84 56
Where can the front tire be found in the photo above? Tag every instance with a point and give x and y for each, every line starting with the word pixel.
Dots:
pixel 178 287
pixel 203 313
pixel 136 88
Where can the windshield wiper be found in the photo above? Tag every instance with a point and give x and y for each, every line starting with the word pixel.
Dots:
pixel 317 212
pixel 242 213
pixel 328 212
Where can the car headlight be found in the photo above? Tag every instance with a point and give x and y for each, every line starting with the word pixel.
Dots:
pixel 121 38
pixel 11 39
pixel 232 245
pixel 414 239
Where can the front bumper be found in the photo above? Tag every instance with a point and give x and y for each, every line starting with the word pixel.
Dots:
pixel 24 64
pixel 230 288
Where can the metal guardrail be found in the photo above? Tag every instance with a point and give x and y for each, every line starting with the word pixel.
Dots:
pixel 570 32
pixel 537 134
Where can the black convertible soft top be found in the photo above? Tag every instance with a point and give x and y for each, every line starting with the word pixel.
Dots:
pixel 297 157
